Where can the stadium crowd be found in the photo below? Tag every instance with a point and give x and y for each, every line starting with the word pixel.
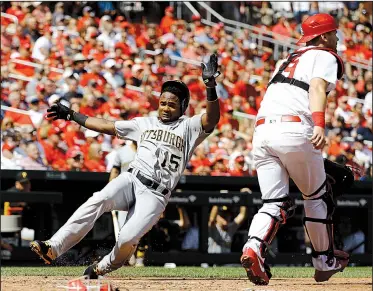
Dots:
pixel 90 60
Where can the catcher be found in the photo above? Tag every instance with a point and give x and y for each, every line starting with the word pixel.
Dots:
pixel 289 135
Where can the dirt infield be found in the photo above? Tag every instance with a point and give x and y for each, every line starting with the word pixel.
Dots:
pixel 44 283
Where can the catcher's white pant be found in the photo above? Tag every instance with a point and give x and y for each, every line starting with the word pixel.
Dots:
pixel 127 193
pixel 282 150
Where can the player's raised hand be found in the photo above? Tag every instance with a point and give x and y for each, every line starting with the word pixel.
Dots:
pixel 318 138
pixel 210 71
pixel 59 111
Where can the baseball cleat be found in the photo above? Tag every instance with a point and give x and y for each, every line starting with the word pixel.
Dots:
pixel 342 259
pixel 92 271
pixel 43 250
pixel 255 268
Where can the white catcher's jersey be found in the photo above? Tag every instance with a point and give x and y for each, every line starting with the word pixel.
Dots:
pixel 286 99
pixel 163 149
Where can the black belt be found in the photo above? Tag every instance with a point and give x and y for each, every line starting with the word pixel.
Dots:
pixel 148 183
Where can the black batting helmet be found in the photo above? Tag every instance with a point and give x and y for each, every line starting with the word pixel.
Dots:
pixel 182 92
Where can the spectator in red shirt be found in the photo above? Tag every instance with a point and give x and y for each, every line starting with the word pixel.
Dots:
pixel 282 28
pixel 199 158
pixel 73 136
pixel 250 106
pixel 100 52
pixel 95 161
pixel 244 88
pixel 122 44
pixel 14 100
pixel 91 137
pixel 238 167
pixel 75 159
pixel 227 118
pixel 89 105
pixel 111 108
pixel 93 77
pixel 16 10
pixel 220 168
pixel 21 69
pixel 51 145
pixel 167 20
pixel 87 19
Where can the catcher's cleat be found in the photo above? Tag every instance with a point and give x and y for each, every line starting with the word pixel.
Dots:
pixel 92 271
pixel 342 259
pixel 255 267
pixel 43 250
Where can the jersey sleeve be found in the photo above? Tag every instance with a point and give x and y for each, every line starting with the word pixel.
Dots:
pixel 128 129
pixel 195 126
pixel 325 67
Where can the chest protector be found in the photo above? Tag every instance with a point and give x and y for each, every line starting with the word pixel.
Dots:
pixel 280 78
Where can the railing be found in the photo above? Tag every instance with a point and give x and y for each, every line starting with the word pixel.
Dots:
pixel 256 30
pixel 361 63
pixel 10 16
pixel 20 77
pixel 36 65
pixel 258 34
pixel 244 115
pixel 15 110
pixel 28 79
pixel 175 58
pixel 191 8
pixel 260 39
pixel 141 90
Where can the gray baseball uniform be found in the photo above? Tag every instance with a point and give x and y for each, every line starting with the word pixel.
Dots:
pixel 163 152
pixel 122 159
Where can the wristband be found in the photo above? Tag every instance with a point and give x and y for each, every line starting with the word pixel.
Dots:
pixel 79 118
pixel 319 119
pixel 211 94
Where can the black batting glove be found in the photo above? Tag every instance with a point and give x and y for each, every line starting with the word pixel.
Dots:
pixel 210 71
pixel 59 111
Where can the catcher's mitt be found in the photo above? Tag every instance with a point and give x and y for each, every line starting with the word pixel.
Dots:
pixel 340 177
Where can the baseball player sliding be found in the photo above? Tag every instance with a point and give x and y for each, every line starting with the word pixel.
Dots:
pixel 289 135
pixel 165 144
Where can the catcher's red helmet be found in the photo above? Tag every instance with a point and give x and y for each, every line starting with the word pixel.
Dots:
pixel 316 25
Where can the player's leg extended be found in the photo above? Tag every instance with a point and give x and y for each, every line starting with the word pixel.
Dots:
pixel 277 207
pixel 142 216
pixel 117 194
pixel 306 168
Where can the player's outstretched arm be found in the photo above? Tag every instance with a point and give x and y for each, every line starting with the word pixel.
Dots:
pixel 209 73
pixel 60 111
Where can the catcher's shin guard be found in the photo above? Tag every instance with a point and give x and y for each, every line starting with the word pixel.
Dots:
pixel 263 229
pixel 316 208
pixel 279 210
